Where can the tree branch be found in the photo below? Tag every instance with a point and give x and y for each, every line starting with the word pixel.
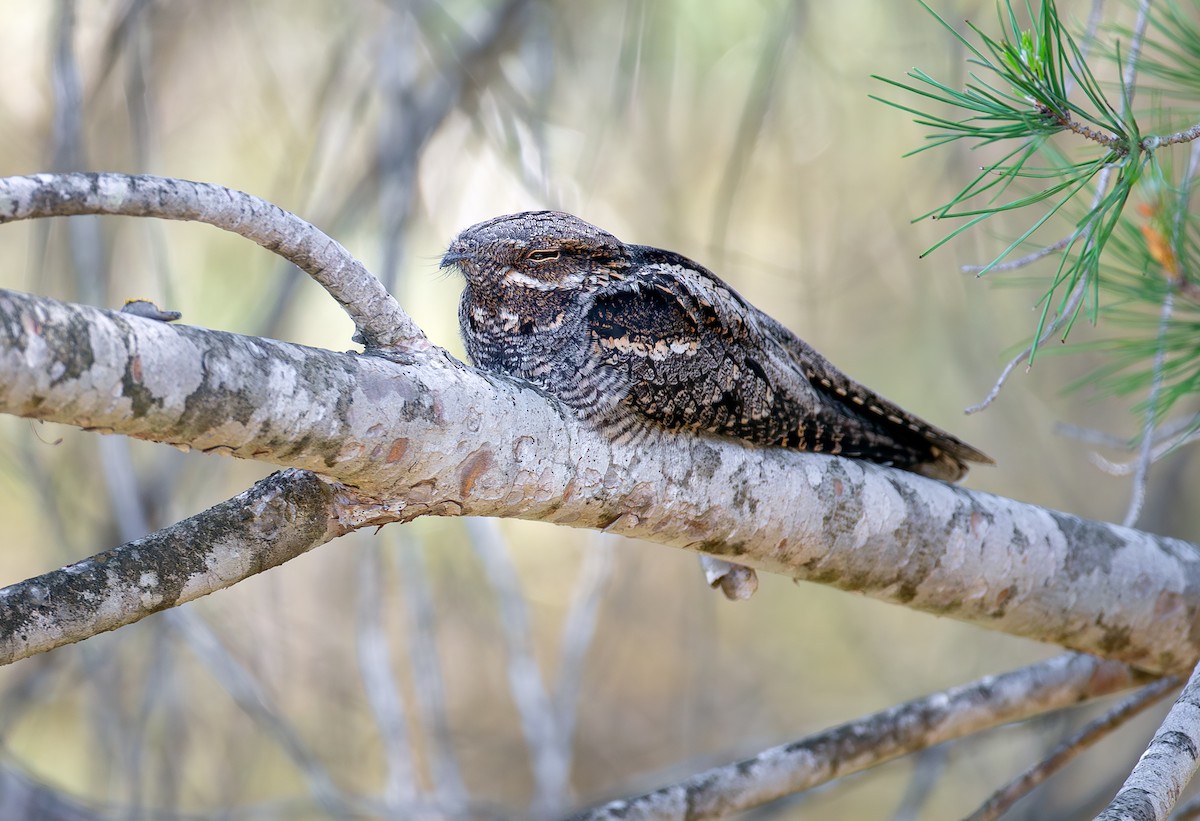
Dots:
pixel 1049 685
pixel 379 319
pixel 430 436
pixel 276 520
pixel 1185 136
pixel 1167 765
pixel 1003 799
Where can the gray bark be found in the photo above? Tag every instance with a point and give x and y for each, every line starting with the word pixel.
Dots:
pixel 277 519
pixel 427 435
pixel 1170 761
pixel 915 725
pixel 380 320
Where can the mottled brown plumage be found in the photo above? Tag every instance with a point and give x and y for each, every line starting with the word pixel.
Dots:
pixel 631 336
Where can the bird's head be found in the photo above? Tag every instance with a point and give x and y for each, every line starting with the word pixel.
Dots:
pixel 536 251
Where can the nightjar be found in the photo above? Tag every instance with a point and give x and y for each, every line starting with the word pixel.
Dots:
pixel 632 337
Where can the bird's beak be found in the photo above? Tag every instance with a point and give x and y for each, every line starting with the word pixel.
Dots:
pixel 452 258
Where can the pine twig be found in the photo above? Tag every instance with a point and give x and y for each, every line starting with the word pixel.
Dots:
pixel 1028 259
pixel 1185 136
pixel 1128 79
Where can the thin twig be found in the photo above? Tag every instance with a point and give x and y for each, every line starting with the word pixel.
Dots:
pixel 1109 141
pixel 1028 259
pixel 1089 38
pixel 528 688
pixel 1176 280
pixel 1165 434
pixel 579 630
pixel 1051 327
pixel 429 687
pixel 1146 452
pixel 249 695
pixel 1129 76
pixel 927 774
pixel 383 693
pixel 1186 136
pixel 1003 799
pixel 1160 450
pixel 755 107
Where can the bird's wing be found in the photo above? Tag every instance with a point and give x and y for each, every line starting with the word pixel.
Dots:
pixel 697 356
pixel 679 346
pixel 945 456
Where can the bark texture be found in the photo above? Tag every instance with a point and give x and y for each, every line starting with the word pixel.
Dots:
pixel 1170 761
pixel 852 747
pixel 431 436
pixel 380 320
pixel 277 519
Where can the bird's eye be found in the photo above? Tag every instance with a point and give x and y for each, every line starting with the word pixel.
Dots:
pixel 543 255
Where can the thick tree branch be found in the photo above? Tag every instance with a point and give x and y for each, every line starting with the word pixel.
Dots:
pixel 717 793
pixel 432 436
pixel 1165 768
pixel 380 320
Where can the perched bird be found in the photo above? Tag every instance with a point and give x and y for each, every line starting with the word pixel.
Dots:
pixel 633 337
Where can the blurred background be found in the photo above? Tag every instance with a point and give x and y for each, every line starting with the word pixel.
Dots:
pixel 506 669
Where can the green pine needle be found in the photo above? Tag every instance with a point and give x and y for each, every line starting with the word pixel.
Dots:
pixel 1031 91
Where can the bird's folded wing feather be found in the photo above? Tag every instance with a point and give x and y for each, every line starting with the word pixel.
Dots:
pixel 699 357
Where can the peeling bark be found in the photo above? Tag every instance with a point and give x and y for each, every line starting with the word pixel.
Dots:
pixel 431 436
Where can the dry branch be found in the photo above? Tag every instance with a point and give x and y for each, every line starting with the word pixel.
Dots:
pixel 915 725
pixel 1150 792
pixel 279 518
pixel 380 320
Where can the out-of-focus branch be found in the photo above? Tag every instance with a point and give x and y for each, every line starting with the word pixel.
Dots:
pixel 379 319
pixel 551 773
pixel 416 106
pixel 23 797
pixel 1137 495
pixel 1050 685
pixel 382 690
pixel 429 436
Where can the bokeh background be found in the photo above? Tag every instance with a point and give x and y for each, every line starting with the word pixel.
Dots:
pixel 502 669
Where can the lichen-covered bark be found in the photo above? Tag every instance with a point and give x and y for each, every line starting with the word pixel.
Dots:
pixel 1150 792
pixel 432 436
pixel 379 319
pixel 277 519
pixel 852 747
